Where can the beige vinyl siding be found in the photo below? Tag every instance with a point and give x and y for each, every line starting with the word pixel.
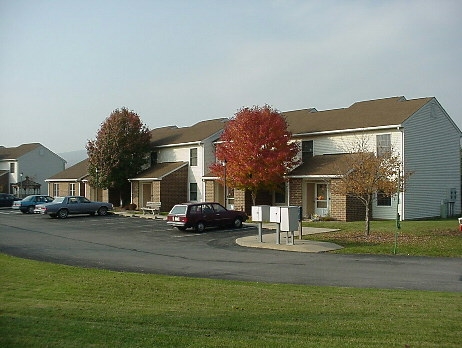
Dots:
pixel 432 153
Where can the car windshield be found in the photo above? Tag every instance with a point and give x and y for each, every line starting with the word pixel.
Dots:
pixel 58 200
pixel 179 210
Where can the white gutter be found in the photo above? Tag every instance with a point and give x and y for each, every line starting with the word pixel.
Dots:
pixel 199 142
pixel 313 176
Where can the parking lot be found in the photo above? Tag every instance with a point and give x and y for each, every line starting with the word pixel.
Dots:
pixel 151 246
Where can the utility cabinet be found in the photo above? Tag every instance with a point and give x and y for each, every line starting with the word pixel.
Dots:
pixel 289 218
pixel 260 213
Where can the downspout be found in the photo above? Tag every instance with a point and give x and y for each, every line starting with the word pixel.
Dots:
pixel 288 192
pixel 401 201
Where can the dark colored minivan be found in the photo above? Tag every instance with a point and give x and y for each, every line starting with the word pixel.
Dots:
pixel 202 215
pixel 7 200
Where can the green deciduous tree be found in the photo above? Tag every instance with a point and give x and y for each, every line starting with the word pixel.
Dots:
pixel 119 150
pixel 257 148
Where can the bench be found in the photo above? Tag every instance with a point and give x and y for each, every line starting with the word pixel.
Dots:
pixel 151 207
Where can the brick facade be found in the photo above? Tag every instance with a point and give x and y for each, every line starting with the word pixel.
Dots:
pixel 296 192
pixel 209 190
pixel 174 188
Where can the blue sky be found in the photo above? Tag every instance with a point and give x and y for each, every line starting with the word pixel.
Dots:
pixel 66 65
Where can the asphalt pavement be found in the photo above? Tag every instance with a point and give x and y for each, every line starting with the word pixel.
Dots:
pixel 149 245
pixel 270 240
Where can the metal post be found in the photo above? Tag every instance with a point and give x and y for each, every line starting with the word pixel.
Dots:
pixel 398 224
pixel 20 195
pixel 96 185
pixel 278 233
pixel 260 235
pixel 224 184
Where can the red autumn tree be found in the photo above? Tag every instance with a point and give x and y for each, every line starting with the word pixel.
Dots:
pixel 257 150
pixel 119 150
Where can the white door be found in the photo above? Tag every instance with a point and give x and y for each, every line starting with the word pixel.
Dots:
pixel 321 201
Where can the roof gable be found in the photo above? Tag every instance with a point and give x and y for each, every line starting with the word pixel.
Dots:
pixel 76 172
pixel 360 115
pixel 174 135
pixel 18 151
pixel 160 170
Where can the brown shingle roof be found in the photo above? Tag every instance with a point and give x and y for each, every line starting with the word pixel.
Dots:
pixel 16 152
pixel 365 114
pixel 76 172
pixel 324 165
pixel 174 135
pixel 159 170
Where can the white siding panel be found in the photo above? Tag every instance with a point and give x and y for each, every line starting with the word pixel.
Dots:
pixel 343 143
pixel 432 153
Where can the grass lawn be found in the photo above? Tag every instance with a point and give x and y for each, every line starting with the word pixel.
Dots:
pixel 47 305
pixel 417 238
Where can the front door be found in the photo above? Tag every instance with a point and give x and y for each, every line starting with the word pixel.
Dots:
pixel 321 201
pixel 147 195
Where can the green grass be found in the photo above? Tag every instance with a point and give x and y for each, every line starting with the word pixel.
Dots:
pixel 417 238
pixel 46 305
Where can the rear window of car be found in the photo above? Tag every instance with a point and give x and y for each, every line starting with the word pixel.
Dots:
pixel 58 200
pixel 179 210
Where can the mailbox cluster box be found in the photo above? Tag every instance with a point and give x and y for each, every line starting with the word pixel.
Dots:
pixel 286 216
pixel 261 213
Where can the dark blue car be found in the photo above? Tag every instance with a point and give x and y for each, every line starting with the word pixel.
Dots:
pixel 27 205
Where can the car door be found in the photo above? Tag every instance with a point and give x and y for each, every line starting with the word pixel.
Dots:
pixel 73 205
pixel 222 216
pixel 208 214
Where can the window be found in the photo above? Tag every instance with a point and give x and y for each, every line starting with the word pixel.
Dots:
pixel 383 144
pixel 307 150
pixel 193 157
pixel 321 195
pixel 72 189
pixel 218 208
pixel 193 191
pixel 55 190
pixel 11 168
pixel 383 200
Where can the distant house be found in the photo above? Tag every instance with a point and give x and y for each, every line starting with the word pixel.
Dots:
pixel 179 160
pixel 74 181
pixel 23 169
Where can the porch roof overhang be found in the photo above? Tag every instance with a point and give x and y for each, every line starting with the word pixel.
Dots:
pixel 65 180
pixel 158 171
pixel 323 166
pixel 210 176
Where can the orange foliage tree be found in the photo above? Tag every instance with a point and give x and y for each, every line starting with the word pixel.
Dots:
pixel 369 174
pixel 257 150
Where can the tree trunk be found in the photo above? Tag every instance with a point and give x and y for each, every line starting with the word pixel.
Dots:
pixel 254 197
pixel 368 222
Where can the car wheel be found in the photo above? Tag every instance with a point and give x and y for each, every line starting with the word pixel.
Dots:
pixel 200 227
pixel 63 213
pixel 102 211
pixel 237 223
pixel 24 211
pixel 30 209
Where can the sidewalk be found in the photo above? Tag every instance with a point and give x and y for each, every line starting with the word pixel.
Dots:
pixel 303 245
